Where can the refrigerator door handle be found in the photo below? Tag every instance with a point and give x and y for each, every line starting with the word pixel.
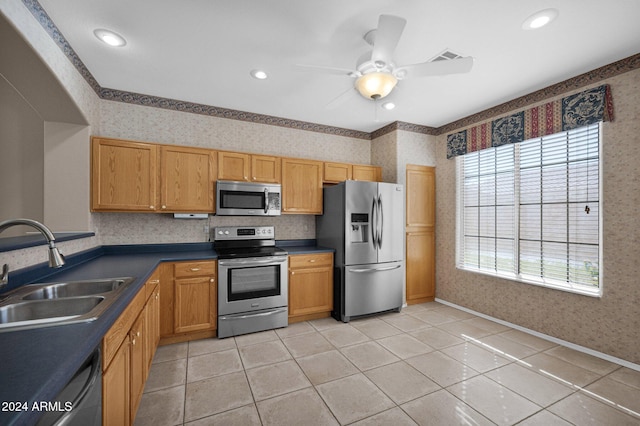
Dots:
pixel 388 268
pixel 374 223
pixel 380 217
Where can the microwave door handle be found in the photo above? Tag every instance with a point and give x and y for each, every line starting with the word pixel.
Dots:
pixel 266 200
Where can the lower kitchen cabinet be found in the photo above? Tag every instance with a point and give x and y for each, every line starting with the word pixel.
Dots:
pixel 116 384
pixel 128 348
pixel 188 306
pixel 310 286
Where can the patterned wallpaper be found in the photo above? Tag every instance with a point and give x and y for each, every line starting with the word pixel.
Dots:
pixel 610 324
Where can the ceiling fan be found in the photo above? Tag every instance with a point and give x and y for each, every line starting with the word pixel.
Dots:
pixel 376 74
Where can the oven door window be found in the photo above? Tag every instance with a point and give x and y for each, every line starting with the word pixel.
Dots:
pixel 242 200
pixel 255 282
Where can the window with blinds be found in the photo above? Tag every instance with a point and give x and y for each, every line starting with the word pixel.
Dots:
pixel 530 211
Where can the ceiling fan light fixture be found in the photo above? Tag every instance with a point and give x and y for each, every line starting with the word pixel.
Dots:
pixel 540 19
pixel 376 85
pixel 109 37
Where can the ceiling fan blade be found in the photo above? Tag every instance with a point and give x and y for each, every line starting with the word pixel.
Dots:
pixel 341 98
pixel 387 35
pixel 327 70
pixel 443 67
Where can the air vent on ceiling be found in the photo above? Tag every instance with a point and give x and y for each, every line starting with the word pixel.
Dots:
pixel 445 56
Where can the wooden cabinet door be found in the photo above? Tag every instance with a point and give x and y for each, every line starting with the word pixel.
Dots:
pixel 233 166
pixel 337 172
pixel 123 175
pixel 116 382
pixel 138 362
pixel 420 266
pixel 310 285
pixel 187 179
pixel 301 186
pixel 152 326
pixel 266 169
pixel 420 233
pixel 195 302
pixel 368 173
pixel 310 291
pixel 421 196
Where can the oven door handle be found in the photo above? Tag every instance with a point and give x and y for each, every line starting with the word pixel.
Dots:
pixel 259 314
pixel 249 262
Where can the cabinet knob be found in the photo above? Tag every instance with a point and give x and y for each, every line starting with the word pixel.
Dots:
pixel 245 178
pixel 164 207
pixel 151 207
pixel 212 280
pixel 312 260
pixel 194 269
pixel 293 272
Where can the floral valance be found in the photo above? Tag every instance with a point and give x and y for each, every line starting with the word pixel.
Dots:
pixel 581 109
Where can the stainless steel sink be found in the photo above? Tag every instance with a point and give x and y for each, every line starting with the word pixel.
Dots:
pixel 77 288
pixel 49 304
pixel 53 310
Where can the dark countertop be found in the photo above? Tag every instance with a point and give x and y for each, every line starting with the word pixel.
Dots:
pixel 36 364
pixel 302 247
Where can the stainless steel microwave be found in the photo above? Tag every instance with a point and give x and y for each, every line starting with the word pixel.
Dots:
pixel 248 198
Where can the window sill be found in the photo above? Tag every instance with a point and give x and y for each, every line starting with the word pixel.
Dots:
pixel 597 292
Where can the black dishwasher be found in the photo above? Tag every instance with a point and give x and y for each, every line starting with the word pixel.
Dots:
pixel 80 401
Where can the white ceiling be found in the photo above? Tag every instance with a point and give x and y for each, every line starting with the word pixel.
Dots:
pixel 203 50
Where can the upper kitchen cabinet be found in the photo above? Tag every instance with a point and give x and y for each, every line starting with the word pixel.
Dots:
pixel 187 179
pixel 368 173
pixel 301 186
pixel 237 166
pixel 265 168
pixel 123 175
pixel 337 172
pixel 233 166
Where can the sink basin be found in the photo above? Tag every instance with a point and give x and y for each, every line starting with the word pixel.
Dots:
pixel 49 304
pixel 23 313
pixel 77 288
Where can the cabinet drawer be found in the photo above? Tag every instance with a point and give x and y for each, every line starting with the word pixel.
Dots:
pixel 194 269
pixel 310 260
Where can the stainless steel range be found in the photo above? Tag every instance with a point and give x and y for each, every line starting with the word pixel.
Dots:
pixel 252 280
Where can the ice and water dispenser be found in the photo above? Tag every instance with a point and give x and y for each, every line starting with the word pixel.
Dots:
pixel 359 227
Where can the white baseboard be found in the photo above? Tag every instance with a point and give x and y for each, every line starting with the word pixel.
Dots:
pixel 583 349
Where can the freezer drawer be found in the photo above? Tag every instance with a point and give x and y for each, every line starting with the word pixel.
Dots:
pixel 371 288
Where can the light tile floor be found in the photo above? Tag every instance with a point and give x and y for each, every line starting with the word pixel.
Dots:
pixel 431 364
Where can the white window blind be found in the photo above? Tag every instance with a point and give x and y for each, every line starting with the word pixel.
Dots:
pixel 530 211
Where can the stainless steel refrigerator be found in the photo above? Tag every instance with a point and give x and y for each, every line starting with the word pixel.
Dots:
pixel 364 223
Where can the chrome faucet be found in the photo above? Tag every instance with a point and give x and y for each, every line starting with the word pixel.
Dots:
pixel 56 259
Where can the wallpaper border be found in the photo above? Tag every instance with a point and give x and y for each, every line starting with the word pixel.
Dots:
pixel 588 78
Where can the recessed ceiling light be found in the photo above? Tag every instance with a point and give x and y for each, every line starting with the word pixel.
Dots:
pixel 109 37
pixel 388 106
pixel 540 19
pixel 259 74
